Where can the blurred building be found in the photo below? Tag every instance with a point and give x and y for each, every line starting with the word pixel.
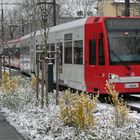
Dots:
pixel 117 7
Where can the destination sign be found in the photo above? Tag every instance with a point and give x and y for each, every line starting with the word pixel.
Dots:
pixel 113 24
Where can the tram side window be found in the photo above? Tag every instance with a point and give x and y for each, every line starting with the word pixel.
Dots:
pixel 60 45
pixel 68 37
pixel 92 52
pixel 52 49
pixel 6 51
pixel 42 46
pixel 37 47
pixel 27 51
pixel 61 52
pixel 101 53
pixel 78 52
pixel 68 48
pixel 68 52
pixel 16 52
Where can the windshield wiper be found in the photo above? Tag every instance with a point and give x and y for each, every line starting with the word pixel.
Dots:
pixel 132 42
pixel 126 65
pixel 135 41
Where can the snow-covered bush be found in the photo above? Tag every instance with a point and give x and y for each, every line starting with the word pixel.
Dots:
pixel 17 99
pixel 121 111
pixel 77 110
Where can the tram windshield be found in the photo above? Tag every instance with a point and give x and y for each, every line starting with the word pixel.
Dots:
pixel 124 41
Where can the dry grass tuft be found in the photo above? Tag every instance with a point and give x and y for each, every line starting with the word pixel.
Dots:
pixel 33 82
pixel 121 111
pixel 78 109
pixel 8 85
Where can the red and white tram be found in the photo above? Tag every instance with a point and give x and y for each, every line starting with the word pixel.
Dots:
pixel 93 50
pixel 11 48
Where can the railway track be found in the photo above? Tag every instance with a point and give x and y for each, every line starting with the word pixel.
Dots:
pixel 133 102
pixel 16 72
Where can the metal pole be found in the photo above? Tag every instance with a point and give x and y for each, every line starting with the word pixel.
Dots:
pixel 54 12
pixel 42 83
pixel 37 76
pixel 54 9
pixel 22 27
pixel 2 39
pixel 0 67
pixel 9 66
pixel 2 26
pixel 57 75
pixel 4 63
pixel 46 80
pixel 127 8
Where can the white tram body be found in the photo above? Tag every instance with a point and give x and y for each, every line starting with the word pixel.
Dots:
pixel 11 48
pixel 27 53
pixel 25 56
pixel 69 37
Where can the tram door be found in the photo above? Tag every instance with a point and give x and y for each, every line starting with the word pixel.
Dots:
pixel 95 62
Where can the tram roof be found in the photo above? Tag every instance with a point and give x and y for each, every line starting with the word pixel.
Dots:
pixel 59 27
pixel 67 25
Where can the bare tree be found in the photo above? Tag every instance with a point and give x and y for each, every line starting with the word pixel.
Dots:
pixel 34 15
pixel 45 19
pixel 13 13
pixel 80 8
pixel 38 15
pixel 11 24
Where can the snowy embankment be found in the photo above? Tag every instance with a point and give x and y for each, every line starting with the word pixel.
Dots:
pixel 46 124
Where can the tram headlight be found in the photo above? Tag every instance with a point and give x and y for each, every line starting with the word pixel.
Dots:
pixel 112 76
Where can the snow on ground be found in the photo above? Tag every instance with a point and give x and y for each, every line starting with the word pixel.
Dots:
pixel 46 124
